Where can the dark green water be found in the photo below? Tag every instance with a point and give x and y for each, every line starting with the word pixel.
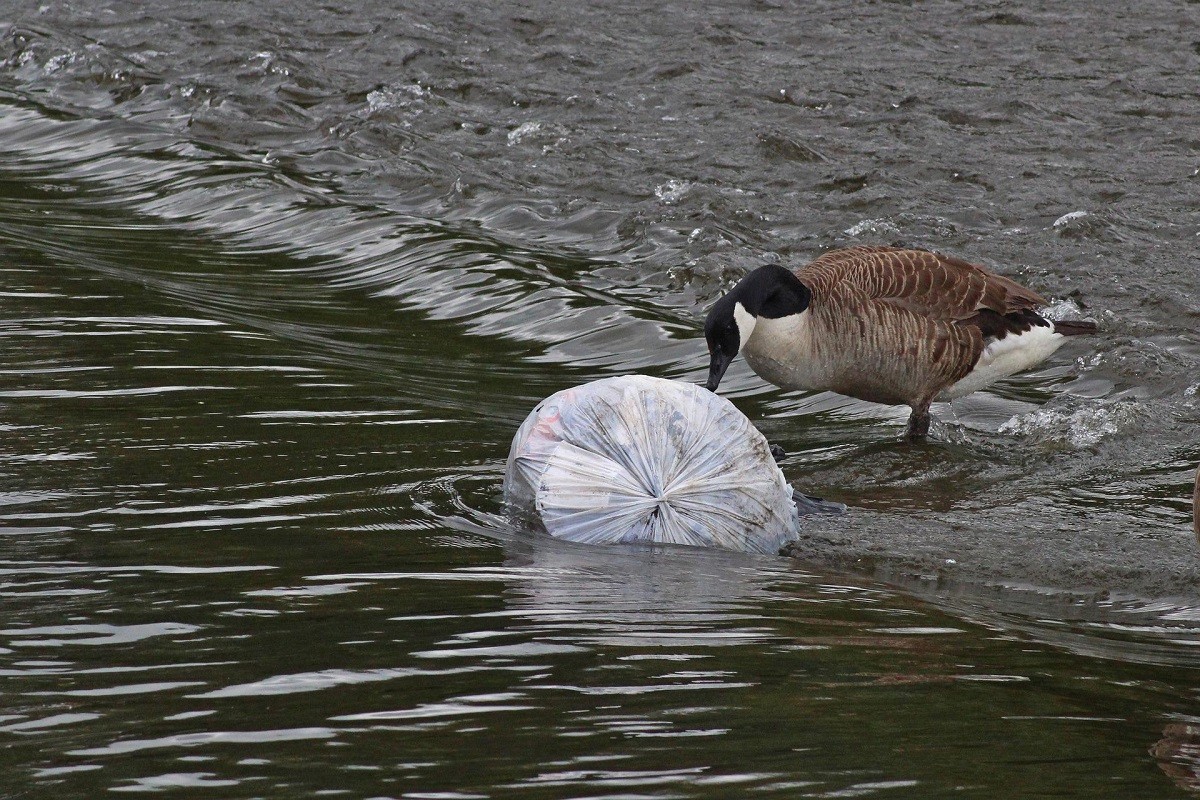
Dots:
pixel 277 292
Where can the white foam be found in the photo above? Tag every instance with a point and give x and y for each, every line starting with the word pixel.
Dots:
pixel 1067 219
pixel 1062 310
pixel 395 97
pixel 521 131
pixel 672 191
pixel 872 226
pixel 1081 427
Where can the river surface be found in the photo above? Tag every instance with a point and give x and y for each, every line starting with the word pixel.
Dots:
pixel 279 284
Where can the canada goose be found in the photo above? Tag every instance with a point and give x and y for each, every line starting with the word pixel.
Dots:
pixel 883 324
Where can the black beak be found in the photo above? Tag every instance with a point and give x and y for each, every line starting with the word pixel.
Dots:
pixel 716 369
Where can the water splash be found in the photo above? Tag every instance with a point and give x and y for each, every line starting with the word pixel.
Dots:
pixel 1080 427
pixel 873 227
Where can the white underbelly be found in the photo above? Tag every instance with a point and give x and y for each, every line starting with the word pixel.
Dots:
pixel 1007 356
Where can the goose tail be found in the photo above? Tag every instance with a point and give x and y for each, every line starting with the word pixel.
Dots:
pixel 1074 327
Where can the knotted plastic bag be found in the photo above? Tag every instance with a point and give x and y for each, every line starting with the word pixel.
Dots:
pixel 641 459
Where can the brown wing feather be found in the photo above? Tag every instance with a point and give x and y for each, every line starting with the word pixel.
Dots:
pixel 923 314
pixel 925 283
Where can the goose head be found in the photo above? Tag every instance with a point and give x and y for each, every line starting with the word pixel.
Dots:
pixel 769 292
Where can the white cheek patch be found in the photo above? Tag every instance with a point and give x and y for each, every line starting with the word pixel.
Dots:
pixel 745 322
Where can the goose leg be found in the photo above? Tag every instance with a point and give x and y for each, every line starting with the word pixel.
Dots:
pixel 918 423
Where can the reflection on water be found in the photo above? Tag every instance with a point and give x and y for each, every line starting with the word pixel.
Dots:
pixel 273 306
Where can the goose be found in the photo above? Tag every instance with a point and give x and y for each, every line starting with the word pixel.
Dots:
pixel 888 325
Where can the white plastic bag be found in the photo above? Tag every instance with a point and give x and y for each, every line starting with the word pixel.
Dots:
pixel 641 459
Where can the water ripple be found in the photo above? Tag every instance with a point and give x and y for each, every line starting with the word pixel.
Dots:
pixel 275 307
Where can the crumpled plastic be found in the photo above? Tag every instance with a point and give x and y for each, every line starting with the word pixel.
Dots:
pixel 642 459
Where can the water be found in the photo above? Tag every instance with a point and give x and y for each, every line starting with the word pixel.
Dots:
pixel 277 289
